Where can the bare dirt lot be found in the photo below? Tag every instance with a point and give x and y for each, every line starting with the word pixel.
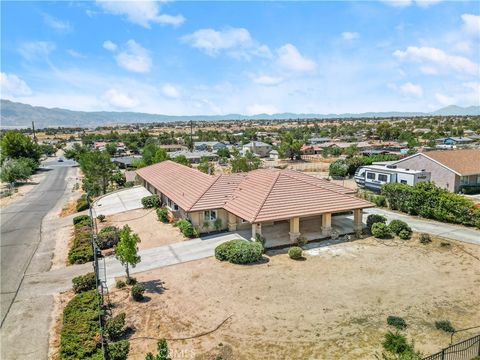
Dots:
pixel 144 222
pixel 332 305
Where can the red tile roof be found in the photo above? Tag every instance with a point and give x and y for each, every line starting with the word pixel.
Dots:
pixel 257 196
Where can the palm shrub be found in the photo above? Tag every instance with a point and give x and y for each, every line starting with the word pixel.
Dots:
pixel 380 230
pixel 375 218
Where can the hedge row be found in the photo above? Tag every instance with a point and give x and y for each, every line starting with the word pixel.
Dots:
pixel 81 250
pixel 429 201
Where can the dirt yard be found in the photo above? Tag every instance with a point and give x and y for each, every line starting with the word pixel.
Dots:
pixel 332 305
pixel 21 190
pixel 144 222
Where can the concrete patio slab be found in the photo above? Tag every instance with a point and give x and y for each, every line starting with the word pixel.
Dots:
pixel 120 201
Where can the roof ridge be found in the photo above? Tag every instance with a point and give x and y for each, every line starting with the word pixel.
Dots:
pixel 208 188
pixel 316 185
pixel 266 196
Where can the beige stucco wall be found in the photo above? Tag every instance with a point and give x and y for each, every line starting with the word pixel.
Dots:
pixel 197 218
pixel 440 175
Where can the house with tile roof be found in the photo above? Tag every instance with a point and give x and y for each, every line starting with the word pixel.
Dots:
pixel 450 169
pixel 258 199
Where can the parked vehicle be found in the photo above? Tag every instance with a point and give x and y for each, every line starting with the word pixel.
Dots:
pixel 374 176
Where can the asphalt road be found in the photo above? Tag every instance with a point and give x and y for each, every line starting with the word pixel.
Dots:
pixel 21 228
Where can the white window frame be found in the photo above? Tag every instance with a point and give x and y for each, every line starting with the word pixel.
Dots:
pixel 386 177
pixel 370 178
pixel 207 215
pixel 171 205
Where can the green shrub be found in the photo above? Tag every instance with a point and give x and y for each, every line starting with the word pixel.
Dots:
pixel 217 224
pixel 137 291
pixel 187 228
pixel 239 251
pixel 118 350
pixel 380 230
pixel 425 238
pixel 82 203
pixel 80 333
pixel 375 218
pixel 260 239
pixel 108 237
pixel 115 327
pixel 131 281
pixel 444 325
pixel 84 283
pixel 395 343
pixel 397 322
pixel 396 226
pixel 101 218
pixel 162 215
pixel 295 252
pixel 379 200
pixel 81 250
pixel 120 284
pixel 338 169
pixel 152 201
pixel 81 219
pixel 404 235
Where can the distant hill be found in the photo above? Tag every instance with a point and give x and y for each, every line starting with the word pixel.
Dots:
pixel 20 115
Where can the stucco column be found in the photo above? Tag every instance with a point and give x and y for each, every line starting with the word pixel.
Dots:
pixel 256 229
pixel 294 229
pixel 326 224
pixel 357 221
pixel 232 222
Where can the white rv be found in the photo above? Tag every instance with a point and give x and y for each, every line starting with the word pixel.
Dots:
pixel 374 176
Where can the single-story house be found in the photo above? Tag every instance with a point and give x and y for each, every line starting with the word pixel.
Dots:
pixel 194 156
pixel 257 199
pixel 454 141
pixel 450 169
pixel 258 148
pixel 319 140
pixel 173 147
pixel 124 162
pixel 208 145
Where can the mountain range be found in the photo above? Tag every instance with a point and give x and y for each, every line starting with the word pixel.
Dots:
pixel 18 115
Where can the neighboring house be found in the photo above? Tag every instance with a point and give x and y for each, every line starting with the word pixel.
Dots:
pixel 258 198
pixel 208 145
pixel 124 162
pixel 454 141
pixel 99 145
pixel 273 155
pixel 319 140
pixel 450 169
pixel 194 156
pixel 258 148
pixel 173 147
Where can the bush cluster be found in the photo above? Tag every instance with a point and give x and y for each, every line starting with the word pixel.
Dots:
pixel 84 283
pixel 162 215
pixel 137 291
pixel 381 230
pixel 429 201
pixel 375 218
pixel 81 250
pixel 152 201
pixel 118 350
pixel 295 252
pixel 239 251
pixel 187 228
pixel 108 237
pixel 80 334
pixel 342 168
pixel 82 203
pixel 396 322
pixel 397 345
pixel 400 228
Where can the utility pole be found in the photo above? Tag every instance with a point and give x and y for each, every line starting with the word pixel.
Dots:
pixel 33 129
pixel 191 135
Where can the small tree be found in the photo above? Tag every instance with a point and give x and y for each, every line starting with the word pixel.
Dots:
pixel 126 250
pixel 162 351
pixel 14 170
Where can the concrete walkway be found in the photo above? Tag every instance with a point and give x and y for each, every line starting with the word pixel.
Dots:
pixel 120 201
pixel 448 231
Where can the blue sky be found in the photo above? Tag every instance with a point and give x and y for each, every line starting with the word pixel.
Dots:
pixel 241 57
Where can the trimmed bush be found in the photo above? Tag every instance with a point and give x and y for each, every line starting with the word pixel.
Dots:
pixel 444 325
pixel 425 238
pixel 187 228
pixel 239 251
pixel 82 203
pixel 84 283
pixel 396 322
pixel 396 226
pixel 137 292
pixel 295 252
pixel 80 334
pixel 81 219
pixel 118 350
pixel 115 327
pixel 162 215
pixel 375 218
pixel 380 230
pixel 152 201
pixel 120 284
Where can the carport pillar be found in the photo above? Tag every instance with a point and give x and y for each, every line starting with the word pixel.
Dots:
pixel 357 221
pixel 232 222
pixel 256 229
pixel 294 229
pixel 326 224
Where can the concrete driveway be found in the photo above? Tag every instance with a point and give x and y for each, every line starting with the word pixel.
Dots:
pixel 448 231
pixel 120 201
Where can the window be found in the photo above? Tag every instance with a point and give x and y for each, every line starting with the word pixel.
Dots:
pixel 172 205
pixel 403 181
pixel 210 215
pixel 382 177
pixel 371 176
pixel 464 180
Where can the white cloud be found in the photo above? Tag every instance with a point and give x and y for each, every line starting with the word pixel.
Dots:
pixel 267 80
pixel 133 57
pixel 236 41
pixel 143 13
pixel 428 70
pixel 75 54
pixel 256 109
pixel 170 91
pixel 437 57
pixel 291 59
pixel 110 45
pixel 348 35
pixel 57 24
pixel 119 99
pixel 12 85
pixel 411 89
pixel 406 3
pixel 471 24
pixel 34 50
